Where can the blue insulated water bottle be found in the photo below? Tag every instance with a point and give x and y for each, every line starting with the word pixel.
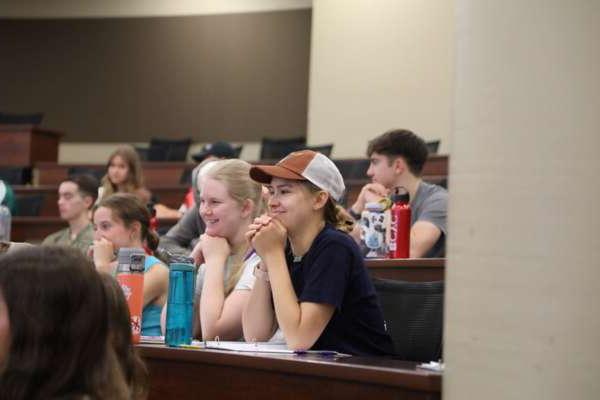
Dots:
pixel 180 304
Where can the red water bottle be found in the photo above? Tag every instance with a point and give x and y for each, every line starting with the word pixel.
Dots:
pixel 130 275
pixel 399 246
pixel 188 200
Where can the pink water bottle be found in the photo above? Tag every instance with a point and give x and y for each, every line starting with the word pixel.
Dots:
pixel 399 246
pixel 130 275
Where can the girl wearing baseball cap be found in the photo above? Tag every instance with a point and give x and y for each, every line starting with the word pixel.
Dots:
pixel 311 282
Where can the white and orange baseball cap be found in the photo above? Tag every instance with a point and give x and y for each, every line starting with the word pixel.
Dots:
pixel 305 165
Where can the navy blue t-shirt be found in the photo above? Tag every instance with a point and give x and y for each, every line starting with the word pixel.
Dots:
pixel 333 272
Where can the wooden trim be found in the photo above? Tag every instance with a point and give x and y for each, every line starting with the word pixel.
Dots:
pixel 268 374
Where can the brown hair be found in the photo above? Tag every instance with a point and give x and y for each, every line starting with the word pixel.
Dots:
pixel 401 143
pixel 129 209
pixel 87 185
pixel 333 213
pixel 235 175
pixel 59 343
pixel 135 179
pixel 133 368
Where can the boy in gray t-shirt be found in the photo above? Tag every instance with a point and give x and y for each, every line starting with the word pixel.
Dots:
pixel 397 159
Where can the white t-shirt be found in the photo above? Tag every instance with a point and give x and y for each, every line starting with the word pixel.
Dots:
pixel 246 281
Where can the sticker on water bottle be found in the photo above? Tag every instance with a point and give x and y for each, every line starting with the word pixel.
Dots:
pixel 126 291
pixel 136 324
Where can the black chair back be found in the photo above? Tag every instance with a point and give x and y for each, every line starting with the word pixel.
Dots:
pixel 16 175
pixel 28 205
pixel 17 119
pixel 274 149
pixel 414 315
pixel 433 146
pixel 353 168
pixel 324 148
pixel 238 150
pixel 168 149
pixel 142 152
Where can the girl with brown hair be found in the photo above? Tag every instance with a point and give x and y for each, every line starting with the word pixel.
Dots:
pixel 121 220
pixel 124 175
pixel 54 330
pixel 316 289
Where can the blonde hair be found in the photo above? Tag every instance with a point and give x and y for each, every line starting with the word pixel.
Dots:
pixel 333 213
pixel 235 175
pixel 134 180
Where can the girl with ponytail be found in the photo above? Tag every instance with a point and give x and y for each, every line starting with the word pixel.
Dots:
pixel 312 282
pixel 121 220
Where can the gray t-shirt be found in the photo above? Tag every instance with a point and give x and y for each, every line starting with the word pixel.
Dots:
pixel 246 281
pixel 431 204
pixel 182 237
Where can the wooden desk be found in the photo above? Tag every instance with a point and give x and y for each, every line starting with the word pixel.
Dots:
pixel 170 195
pixel 23 145
pixel 156 174
pixel 408 269
pixel 436 164
pixel 191 374
pixel 35 229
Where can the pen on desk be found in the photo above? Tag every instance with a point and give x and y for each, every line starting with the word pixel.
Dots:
pixel 190 346
pixel 322 353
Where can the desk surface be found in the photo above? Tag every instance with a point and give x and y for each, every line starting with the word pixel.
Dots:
pixel 408 269
pixel 35 229
pixel 186 374
pixel 169 194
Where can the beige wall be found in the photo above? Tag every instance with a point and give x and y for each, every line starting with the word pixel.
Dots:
pixel 374 65
pixel 128 8
pixel 97 153
pixel 76 152
pixel 236 77
pixel 377 65
pixel 523 273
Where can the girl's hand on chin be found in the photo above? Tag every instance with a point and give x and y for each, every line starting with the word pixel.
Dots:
pixel 103 254
pixel 196 253
pixel 214 246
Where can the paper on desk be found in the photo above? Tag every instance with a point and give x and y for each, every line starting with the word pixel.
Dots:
pixel 433 366
pixel 152 339
pixel 256 347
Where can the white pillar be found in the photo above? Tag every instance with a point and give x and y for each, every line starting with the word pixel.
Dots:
pixel 523 274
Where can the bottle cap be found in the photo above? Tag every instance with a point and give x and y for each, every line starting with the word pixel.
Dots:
pixel 182 264
pixel 130 259
pixel 400 195
pixel 374 206
pixel 386 202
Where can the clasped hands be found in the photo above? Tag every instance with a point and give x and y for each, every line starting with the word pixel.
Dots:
pixel 266 234
pixel 371 192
